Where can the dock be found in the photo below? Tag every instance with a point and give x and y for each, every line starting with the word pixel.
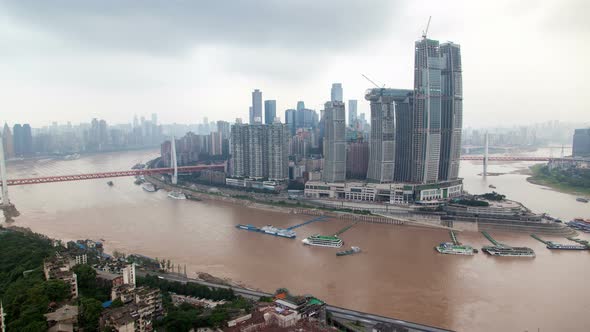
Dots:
pixel 454 238
pixel 321 218
pixel 346 228
pixel 580 241
pixel 534 236
pixel 494 242
pixel 552 245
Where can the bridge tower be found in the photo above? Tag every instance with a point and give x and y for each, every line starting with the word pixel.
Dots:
pixel 485 155
pixel 5 199
pixel 173 161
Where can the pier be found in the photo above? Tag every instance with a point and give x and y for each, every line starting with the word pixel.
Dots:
pixel 346 228
pixel 494 242
pixel 552 245
pixel 534 236
pixel 321 218
pixel 454 238
pixel 580 241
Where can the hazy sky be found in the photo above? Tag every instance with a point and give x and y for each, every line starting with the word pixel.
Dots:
pixel 523 61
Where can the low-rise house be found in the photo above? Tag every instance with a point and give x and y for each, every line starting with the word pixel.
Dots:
pixel 64 319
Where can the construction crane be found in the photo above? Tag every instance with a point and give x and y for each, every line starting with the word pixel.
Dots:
pixel 425 32
pixel 375 84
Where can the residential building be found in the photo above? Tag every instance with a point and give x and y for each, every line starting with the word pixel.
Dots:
pixel 216 143
pixel 278 148
pixel 17 132
pixel 8 141
pixel 270 111
pixel 63 319
pixel 224 128
pixel 581 145
pixel 334 142
pixel 129 275
pixel 451 112
pixel 336 92
pixel 59 267
pixel 142 305
pixel 256 108
pixel 352 113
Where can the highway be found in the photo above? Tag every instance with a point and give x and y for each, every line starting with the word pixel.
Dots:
pixel 336 312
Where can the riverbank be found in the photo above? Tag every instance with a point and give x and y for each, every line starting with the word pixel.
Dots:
pixel 540 179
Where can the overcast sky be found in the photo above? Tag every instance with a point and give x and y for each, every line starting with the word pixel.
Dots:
pixel 71 60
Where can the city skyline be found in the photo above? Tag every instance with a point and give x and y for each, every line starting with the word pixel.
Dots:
pixel 186 73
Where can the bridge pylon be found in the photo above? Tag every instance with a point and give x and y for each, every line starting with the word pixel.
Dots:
pixel 485 155
pixel 173 161
pixel 5 199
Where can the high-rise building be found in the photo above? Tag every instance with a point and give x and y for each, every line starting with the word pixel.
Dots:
pixel 382 136
pixel 300 105
pixel 357 159
pixel 270 111
pixel 426 136
pixel 154 119
pixel 581 145
pixel 8 142
pixel 336 93
pixel 256 110
pixel 451 112
pixel 352 113
pixel 277 136
pixel 239 150
pixel 17 132
pixel 27 140
pixel 334 142
pixel 301 119
pixel 215 142
pixel 403 139
pixel 290 120
pixel 224 128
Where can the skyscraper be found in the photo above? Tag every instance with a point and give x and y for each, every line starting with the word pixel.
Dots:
pixel 451 112
pixel 427 111
pixel 581 145
pixel 224 128
pixel 357 158
pixel 290 120
pixel 256 110
pixel 27 140
pixel 300 105
pixel 336 93
pixel 270 111
pixel 352 114
pixel 239 150
pixel 154 119
pixel 403 139
pixel 8 142
pixel 382 137
pixel 17 132
pixel 334 142
pixel 277 154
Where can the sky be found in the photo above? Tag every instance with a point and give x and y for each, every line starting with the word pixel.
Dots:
pixel 70 60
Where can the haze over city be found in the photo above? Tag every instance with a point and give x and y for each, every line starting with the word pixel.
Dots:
pixel 72 61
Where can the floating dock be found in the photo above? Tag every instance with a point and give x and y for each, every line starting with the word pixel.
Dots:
pixel 346 228
pixel 276 231
pixel 559 246
pixel 494 242
pixel 580 241
pixel 307 222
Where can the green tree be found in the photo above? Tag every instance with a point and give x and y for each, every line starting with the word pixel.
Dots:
pixel 57 290
pixel 86 278
pixel 89 314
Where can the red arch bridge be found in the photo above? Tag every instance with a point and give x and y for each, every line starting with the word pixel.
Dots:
pixel 104 175
pixel 217 167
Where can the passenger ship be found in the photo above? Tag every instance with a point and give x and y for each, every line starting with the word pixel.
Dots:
pixel 453 249
pixel 323 241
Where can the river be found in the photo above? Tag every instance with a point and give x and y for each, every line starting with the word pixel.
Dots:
pixel 398 274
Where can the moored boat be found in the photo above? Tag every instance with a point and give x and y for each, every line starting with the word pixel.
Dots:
pixel 323 241
pixel 582 199
pixel 455 249
pixel 509 251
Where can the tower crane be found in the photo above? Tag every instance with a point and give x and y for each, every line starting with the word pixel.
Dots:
pixel 425 32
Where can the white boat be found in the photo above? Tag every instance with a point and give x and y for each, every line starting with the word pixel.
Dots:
pixel 282 232
pixel 323 241
pixel 148 187
pixel 176 195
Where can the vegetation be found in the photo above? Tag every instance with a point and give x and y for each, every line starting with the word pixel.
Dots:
pixel 471 202
pixel 569 180
pixel 190 289
pixel 493 196
pixel 87 285
pixel 90 310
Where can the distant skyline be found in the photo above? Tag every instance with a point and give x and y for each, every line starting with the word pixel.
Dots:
pixel 68 60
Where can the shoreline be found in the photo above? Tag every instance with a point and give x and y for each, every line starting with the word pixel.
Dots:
pixel 564 189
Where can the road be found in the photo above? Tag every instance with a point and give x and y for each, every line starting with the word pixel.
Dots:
pixel 336 312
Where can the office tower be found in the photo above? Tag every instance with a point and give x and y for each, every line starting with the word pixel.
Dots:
pixel 300 105
pixel 451 112
pixel 357 159
pixel 8 142
pixel 256 111
pixel 135 121
pixel 352 113
pixel 427 111
pixel 17 132
pixel 334 142
pixel 336 93
pixel 103 134
pixel 277 136
pixel 154 118
pixel 27 140
pixel 382 135
pixel 270 111
pixel 581 145
pixel 403 139
pixel 224 128
pixel 290 120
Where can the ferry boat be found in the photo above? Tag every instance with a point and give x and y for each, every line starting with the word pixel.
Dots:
pixel 110 183
pixel 176 195
pixel 352 250
pixel 148 187
pixel 580 224
pixel 492 186
pixel 552 245
pixel 582 199
pixel 278 231
pixel 454 249
pixel 509 251
pixel 323 241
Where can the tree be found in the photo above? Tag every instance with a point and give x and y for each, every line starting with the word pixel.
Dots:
pixel 86 278
pixel 90 310
pixel 118 254
pixel 117 303
pixel 57 290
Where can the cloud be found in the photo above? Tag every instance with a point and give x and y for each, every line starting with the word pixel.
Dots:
pixel 172 27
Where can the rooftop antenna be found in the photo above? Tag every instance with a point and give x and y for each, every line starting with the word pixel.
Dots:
pixel 425 32
pixel 370 80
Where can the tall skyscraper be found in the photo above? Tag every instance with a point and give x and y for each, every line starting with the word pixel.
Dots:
pixel 27 140
pixel 8 142
pixel 270 111
pixel 357 158
pixel 382 137
pixel 451 112
pixel 290 120
pixel 256 110
pixel 581 145
pixel 300 105
pixel 239 150
pixel 277 136
pixel 336 93
pixel 334 142
pixel 352 113
pixel 426 138
pixel 224 128
pixel 154 119
pixel 17 132
pixel 403 139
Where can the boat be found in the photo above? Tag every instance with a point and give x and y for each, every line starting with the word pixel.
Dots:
pixel 282 232
pixel 110 183
pixel 492 186
pixel 582 199
pixel 248 227
pixel 352 250
pixel 455 249
pixel 580 224
pixel 332 241
pixel 509 251
pixel 176 195
pixel 148 187
pixel 551 245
